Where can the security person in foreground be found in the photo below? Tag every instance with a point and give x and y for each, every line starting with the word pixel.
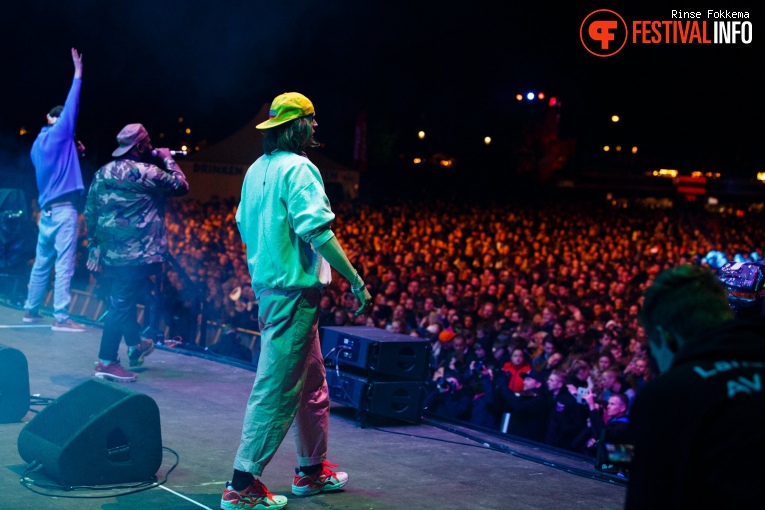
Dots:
pixel 698 428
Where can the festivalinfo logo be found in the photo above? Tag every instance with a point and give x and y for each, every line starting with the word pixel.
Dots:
pixel 604 33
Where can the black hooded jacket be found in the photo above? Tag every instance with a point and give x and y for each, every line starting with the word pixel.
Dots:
pixel 699 428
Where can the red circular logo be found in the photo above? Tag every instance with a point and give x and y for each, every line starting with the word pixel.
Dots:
pixel 603 33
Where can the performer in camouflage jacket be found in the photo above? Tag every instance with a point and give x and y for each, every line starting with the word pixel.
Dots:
pixel 125 215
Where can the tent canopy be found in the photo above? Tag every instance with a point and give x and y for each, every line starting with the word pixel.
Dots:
pixel 219 169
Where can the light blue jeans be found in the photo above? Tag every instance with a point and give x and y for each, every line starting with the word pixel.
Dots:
pixel 57 241
pixel 290 384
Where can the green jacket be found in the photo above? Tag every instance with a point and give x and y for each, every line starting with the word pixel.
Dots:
pixel 283 214
pixel 125 210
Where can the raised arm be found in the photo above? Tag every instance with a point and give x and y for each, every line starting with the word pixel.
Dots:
pixel 64 126
pixel 77 59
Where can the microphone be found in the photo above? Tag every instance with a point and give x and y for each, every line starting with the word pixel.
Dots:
pixel 172 153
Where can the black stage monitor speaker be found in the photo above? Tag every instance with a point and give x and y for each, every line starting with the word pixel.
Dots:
pixel 386 354
pixel 97 433
pixel 14 385
pixel 398 399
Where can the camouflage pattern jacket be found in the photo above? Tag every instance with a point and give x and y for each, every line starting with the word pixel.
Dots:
pixel 125 210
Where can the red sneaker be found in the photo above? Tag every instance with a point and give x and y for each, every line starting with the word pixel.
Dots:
pixel 322 481
pixel 114 372
pixel 256 495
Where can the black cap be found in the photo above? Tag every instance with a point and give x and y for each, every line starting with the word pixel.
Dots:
pixel 534 374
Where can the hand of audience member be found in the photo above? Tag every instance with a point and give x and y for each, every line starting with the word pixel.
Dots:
pixel 589 397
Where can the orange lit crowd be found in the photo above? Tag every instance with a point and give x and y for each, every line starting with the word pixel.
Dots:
pixel 560 282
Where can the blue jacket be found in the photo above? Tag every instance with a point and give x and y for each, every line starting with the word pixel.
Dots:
pixel 54 154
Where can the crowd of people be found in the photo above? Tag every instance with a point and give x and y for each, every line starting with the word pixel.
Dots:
pixel 500 290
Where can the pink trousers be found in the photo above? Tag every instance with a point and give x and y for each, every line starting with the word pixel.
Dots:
pixel 290 384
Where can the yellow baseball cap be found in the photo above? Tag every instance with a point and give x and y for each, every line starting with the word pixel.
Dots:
pixel 286 107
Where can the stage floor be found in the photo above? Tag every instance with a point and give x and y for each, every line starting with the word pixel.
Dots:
pixel 391 464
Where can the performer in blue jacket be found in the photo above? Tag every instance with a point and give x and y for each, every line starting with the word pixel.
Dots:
pixel 59 181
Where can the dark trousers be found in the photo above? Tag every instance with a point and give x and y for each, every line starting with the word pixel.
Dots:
pixel 128 285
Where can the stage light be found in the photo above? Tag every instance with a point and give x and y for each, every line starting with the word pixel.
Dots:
pixel 530 96
pixel 188 131
pixel 634 150
pixel 606 148
pixel 553 101
pixel 487 140
pixel 22 131
pixel 618 148
pixel 421 135
pixel 519 97
pixel 541 95
pixel 614 118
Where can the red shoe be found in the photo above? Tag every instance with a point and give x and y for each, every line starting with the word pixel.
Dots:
pixel 322 481
pixel 256 495
pixel 67 325
pixel 114 372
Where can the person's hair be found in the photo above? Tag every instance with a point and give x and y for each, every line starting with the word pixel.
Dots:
pixel 560 374
pixel 293 136
pixel 578 364
pixel 56 111
pixel 624 399
pixel 687 300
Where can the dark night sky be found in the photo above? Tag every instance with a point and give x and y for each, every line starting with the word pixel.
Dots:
pixel 451 69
